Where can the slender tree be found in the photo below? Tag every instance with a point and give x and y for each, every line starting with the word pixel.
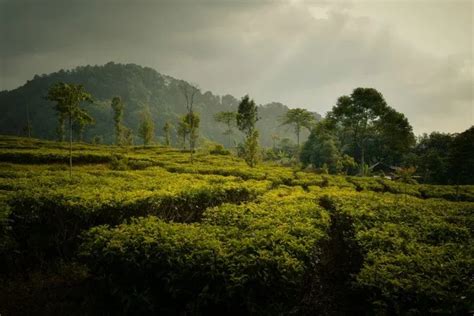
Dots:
pixel 183 130
pixel 68 98
pixel 82 119
pixel 127 136
pixel 299 118
pixel 193 120
pixel 251 149
pixel 189 92
pixel 167 130
pixel 117 108
pixel 60 129
pixel 228 118
pixel 247 117
pixel 147 128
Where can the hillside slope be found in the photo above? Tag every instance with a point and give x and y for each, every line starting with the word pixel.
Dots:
pixel 139 87
pixel 142 230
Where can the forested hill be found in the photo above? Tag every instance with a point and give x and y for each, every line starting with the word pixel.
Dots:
pixel 139 87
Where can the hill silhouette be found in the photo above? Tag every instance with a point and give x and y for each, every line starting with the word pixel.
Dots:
pixel 139 87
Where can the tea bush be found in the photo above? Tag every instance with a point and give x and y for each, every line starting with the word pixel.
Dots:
pixel 247 259
pixel 160 235
pixel 417 253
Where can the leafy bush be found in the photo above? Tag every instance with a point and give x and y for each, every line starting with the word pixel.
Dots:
pixel 220 237
pixel 118 162
pixel 240 259
pixel 219 150
pixel 48 220
pixel 417 252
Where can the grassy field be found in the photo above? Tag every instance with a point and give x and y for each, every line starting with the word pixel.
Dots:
pixel 145 231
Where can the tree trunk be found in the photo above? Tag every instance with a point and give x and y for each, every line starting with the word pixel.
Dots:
pixel 191 134
pixel 298 136
pixel 70 144
pixel 81 134
pixel 362 161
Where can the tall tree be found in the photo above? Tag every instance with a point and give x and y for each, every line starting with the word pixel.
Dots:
pixel 82 119
pixel 299 118
pixel 60 129
pixel 192 121
pixel 228 118
pixel 251 149
pixel 321 149
pixel 189 92
pixel 167 130
pixel 247 117
pixel 117 108
pixel 369 128
pixel 146 129
pixel 127 136
pixel 68 98
pixel 182 130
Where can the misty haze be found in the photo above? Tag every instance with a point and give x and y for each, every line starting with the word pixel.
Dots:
pixel 283 157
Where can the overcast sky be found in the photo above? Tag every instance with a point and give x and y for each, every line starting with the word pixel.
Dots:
pixel 419 54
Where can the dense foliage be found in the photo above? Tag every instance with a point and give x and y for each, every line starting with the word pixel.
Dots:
pixel 445 158
pixel 369 129
pixel 143 231
pixel 363 135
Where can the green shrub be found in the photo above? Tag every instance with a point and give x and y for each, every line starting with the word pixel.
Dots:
pixel 417 252
pixel 118 162
pixel 48 220
pixel 219 150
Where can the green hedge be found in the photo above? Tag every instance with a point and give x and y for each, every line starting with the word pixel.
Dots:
pixel 48 217
pixel 247 259
pixel 417 253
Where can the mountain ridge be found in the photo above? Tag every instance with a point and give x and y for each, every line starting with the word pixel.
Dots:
pixel 139 87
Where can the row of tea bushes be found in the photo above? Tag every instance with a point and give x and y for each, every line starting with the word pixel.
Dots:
pixel 241 259
pixel 32 156
pixel 231 166
pixel 48 211
pixel 176 161
pixel 417 254
pixel 307 251
pixel 426 191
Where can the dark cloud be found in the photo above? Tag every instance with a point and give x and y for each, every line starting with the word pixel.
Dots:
pixel 274 50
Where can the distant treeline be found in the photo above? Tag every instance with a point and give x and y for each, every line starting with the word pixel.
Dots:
pixel 363 135
pixel 140 88
pixel 129 104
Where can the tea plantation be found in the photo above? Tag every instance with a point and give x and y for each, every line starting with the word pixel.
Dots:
pixel 145 231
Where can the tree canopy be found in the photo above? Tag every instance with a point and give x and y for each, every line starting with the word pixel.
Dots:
pixel 68 98
pixel 229 119
pixel 147 128
pixel 299 118
pixel 369 129
pixel 247 115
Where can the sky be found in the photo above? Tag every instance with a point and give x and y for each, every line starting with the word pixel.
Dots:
pixel 418 53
